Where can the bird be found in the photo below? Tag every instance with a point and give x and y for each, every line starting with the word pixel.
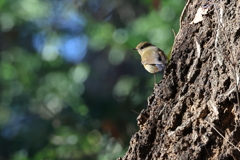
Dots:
pixel 152 58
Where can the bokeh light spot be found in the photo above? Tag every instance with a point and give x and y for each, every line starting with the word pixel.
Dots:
pixel 74 49
pixel 123 86
pixel 156 35
pixel 76 89
pixel 120 36
pixel 80 73
pixel 72 139
pixel 53 103
pixel 6 21
pixel 31 9
pixel 57 140
pixel 7 71
pixel 116 56
pixel 83 110
pixel 49 53
pixel 101 36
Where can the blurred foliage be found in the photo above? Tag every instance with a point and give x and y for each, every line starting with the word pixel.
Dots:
pixel 69 79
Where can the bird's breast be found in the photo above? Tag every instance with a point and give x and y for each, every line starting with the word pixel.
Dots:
pixel 152 68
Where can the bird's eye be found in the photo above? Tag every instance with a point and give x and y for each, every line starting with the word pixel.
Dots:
pixel 142 47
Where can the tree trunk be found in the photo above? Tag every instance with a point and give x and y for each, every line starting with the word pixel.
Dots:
pixel 193 112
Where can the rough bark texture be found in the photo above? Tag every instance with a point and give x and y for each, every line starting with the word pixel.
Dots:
pixel 197 99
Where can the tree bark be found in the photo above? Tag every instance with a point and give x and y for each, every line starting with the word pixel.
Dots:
pixel 193 112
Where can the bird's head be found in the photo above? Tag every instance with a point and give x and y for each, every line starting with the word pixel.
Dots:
pixel 141 46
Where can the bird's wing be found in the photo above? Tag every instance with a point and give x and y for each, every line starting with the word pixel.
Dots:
pixel 153 58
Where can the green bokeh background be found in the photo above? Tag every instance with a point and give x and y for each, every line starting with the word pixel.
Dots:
pixel 69 77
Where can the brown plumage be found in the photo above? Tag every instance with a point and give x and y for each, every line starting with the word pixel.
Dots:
pixel 153 58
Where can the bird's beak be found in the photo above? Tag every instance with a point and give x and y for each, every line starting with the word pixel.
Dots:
pixel 134 48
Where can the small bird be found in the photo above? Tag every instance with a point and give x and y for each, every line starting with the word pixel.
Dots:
pixel 153 58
